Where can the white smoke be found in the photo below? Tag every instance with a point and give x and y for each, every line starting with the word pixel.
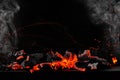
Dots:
pixel 108 12
pixel 8 34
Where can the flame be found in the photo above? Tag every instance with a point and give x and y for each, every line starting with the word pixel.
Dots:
pixel 114 60
pixel 66 63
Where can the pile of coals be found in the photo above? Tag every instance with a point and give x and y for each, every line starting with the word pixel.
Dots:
pixel 53 61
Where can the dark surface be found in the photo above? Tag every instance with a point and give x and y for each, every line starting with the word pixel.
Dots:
pixel 55 23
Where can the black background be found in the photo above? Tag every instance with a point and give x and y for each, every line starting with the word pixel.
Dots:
pixel 55 24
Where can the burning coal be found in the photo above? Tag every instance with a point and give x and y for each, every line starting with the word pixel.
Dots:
pixel 70 61
pixel 114 59
pixel 8 34
pixel 107 12
pixel 65 63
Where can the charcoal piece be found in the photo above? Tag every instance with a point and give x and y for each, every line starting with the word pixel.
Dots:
pixel 3 59
pixel 39 57
pixel 51 57
pixel 35 58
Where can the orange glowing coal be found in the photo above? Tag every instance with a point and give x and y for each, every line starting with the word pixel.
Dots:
pixel 15 66
pixel 35 68
pixel 65 63
pixel 114 60
pixel 19 57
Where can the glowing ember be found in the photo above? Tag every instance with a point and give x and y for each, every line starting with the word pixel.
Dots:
pixel 65 63
pixel 114 59
pixel 20 57
pixel 15 66
pixel 68 62
pixel 35 68
pixel 27 67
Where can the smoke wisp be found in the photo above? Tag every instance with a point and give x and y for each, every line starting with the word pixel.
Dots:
pixel 107 12
pixel 8 34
